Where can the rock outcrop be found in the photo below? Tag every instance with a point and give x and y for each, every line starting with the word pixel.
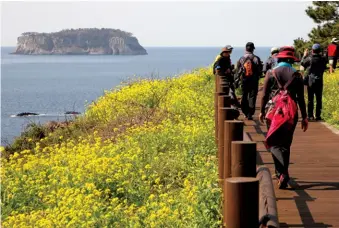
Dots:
pixel 72 113
pixel 79 42
pixel 27 114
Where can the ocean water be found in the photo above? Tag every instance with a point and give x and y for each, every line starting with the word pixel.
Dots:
pixel 52 85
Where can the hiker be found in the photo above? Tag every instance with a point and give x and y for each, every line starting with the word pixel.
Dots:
pixel 249 71
pixel 223 66
pixel 315 65
pixel 271 62
pixel 333 53
pixel 225 52
pixel 280 110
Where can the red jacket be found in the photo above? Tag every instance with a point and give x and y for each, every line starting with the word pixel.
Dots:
pixel 332 50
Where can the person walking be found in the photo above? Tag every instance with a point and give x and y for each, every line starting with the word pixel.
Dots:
pixel 283 90
pixel 333 53
pixel 315 65
pixel 249 71
pixel 271 62
pixel 223 66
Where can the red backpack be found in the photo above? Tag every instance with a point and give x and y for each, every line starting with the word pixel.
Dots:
pixel 281 109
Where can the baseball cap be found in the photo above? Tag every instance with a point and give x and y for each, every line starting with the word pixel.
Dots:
pixel 250 44
pixel 316 46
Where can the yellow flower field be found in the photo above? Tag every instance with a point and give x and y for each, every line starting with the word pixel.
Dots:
pixel 330 110
pixel 148 162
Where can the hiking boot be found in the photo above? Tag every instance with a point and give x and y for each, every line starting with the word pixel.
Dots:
pixel 283 181
pixel 318 119
pixel 249 117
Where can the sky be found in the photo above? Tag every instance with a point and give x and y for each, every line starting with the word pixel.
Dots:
pixel 201 23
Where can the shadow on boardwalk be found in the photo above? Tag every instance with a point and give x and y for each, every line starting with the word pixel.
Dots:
pixel 313 197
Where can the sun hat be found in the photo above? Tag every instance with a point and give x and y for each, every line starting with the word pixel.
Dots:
pixel 227 48
pixel 287 48
pixel 287 55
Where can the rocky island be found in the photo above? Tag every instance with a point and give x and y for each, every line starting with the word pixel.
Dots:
pixel 90 41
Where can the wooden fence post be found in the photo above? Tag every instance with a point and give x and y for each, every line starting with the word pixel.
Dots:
pixel 244 159
pixel 242 199
pixel 216 95
pixel 223 114
pixel 233 131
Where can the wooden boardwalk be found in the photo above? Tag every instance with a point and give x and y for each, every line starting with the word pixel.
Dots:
pixel 312 199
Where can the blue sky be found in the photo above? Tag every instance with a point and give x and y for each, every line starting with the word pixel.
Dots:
pixel 266 23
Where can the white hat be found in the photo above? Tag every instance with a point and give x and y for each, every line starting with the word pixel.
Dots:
pixel 334 40
pixel 274 49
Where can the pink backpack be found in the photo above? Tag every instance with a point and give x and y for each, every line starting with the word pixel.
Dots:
pixel 281 111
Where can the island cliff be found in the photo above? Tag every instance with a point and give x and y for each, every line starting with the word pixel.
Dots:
pixel 79 42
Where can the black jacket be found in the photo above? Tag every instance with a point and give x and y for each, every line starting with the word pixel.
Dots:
pixel 223 66
pixel 314 64
pixel 254 80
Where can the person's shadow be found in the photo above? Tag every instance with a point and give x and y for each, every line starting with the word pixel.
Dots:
pixel 302 199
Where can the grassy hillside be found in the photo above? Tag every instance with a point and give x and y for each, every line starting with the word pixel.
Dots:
pixel 142 156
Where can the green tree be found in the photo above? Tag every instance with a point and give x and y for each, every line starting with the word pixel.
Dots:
pixel 300 45
pixel 326 15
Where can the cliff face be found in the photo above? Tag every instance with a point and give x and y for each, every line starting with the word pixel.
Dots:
pixel 80 42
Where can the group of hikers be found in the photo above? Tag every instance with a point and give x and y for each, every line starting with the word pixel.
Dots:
pixel 282 92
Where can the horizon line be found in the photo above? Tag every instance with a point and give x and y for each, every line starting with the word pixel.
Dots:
pixel 181 46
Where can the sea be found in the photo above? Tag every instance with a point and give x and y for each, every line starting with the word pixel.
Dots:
pixel 52 85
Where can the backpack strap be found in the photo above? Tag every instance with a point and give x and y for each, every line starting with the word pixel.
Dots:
pixel 286 84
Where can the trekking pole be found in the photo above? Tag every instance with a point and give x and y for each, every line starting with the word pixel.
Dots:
pixel 242 202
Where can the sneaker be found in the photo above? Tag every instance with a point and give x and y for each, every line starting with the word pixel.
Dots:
pixel 283 181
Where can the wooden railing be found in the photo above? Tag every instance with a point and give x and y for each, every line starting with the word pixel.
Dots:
pixel 248 194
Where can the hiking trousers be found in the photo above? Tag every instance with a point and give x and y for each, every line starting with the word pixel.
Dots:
pixel 248 99
pixel 281 149
pixel 315 90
